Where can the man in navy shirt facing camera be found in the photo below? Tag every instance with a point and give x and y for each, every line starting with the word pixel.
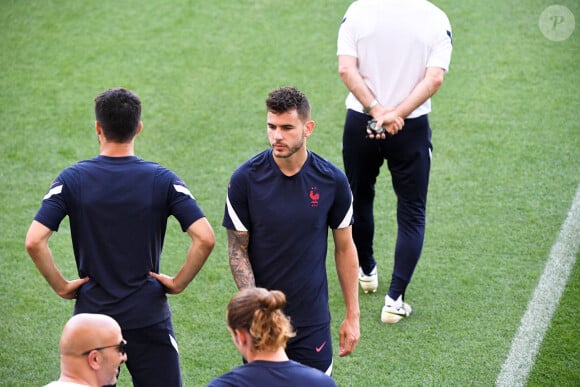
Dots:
pixel 280 205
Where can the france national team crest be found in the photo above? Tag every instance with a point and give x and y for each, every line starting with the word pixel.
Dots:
pixel 314 196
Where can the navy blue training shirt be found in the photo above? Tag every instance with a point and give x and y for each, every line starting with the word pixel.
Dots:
pixel 118 209
pixel 271 373
pixel 288 218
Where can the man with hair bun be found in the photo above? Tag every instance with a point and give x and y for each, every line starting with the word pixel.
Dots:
pixel 260 331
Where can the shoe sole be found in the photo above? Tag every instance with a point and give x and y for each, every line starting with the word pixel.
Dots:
pixel 368 287
pixel 393 318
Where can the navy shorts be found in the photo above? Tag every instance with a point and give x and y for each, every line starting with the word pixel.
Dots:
pixel 312 346
pixel 152 355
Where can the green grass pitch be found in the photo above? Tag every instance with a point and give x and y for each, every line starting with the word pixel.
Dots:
pixel 506 166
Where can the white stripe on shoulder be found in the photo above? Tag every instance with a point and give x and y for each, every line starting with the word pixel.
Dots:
pixel 183 190
pixel 239 226
pixel 346 220
pixel 53 191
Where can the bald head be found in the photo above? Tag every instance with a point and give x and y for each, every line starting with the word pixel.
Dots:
pixel 86 331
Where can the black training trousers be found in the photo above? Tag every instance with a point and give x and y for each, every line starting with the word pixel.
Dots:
pixel 408 155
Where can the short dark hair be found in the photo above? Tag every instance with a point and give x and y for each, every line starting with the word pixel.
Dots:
pixel 288 98
pixel 118 111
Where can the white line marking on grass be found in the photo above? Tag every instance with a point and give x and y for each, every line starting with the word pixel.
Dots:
pixel 546 297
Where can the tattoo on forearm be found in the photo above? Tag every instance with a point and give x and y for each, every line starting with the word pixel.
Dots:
pixel 239 259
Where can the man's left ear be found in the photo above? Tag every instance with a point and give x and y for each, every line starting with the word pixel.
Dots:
pixel 93 360
pixel 244 337
pixel 309 127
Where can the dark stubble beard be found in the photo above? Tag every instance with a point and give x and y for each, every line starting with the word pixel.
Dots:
pixel 291 151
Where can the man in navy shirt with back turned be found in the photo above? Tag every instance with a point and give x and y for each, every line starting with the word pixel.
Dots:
pixel 118 205
pixel 280 205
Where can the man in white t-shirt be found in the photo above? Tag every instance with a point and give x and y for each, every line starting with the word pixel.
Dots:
pixel 91 350
pixel 392 57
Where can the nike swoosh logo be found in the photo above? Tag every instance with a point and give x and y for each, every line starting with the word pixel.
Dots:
pixel 318 349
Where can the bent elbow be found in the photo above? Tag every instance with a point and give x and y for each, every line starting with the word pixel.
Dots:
pixel 437 81
pixel 435 78
pixel 344 71
pixel 209 242
pixel 36 238
pixel 202 234
pixel 32 244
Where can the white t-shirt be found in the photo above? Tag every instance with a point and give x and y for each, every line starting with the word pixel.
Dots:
pixel 65 384
pixel 394 42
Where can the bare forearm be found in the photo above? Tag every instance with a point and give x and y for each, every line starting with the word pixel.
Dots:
pixel 196 257
pixel 424 90
pixel 239 259
pixel 36 244
pixel 356 85
pixel 44 262
pixel 346 260
pixel 202 243
pixel 347 270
